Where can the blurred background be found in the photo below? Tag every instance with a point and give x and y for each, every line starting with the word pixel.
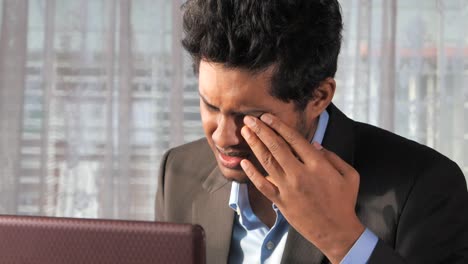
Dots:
pixel 92 92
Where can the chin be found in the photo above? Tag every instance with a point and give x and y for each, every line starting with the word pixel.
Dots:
pixel 234 175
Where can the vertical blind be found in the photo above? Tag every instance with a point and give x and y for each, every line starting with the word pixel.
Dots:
pixel 92 92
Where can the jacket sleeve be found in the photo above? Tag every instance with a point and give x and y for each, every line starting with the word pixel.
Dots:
pixel 433 225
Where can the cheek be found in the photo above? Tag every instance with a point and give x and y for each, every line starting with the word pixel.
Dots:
pixel 289 119
pixel 209 122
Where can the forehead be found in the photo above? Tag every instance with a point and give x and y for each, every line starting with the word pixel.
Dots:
pixel 215 78
pixel 234 90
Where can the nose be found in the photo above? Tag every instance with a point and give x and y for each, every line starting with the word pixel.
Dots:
pixel 227 133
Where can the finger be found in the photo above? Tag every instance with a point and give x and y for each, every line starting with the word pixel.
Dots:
pixel 265 186
pixel 275 145
pixel 298 143
pixel 346 170
pixel 261 152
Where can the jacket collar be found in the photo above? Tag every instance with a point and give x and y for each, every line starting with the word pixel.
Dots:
pixel 210 209
pixel 339 136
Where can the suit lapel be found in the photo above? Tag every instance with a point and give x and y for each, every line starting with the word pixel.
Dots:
pixel 210 209
pixel 339 138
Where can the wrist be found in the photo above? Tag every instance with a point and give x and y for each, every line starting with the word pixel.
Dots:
pixel 341 242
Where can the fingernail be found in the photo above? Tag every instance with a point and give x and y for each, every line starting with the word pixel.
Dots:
pixel 244 164
pixel 246 132
pixel 245 167
pixel 249 121
pixel 266 118
pixel 317 145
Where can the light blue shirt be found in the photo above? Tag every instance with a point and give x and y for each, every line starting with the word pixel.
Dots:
pixel 253 242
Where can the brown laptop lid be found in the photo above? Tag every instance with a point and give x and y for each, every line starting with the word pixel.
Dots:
pixel 50 240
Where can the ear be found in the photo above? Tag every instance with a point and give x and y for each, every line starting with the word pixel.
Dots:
pixel 323 96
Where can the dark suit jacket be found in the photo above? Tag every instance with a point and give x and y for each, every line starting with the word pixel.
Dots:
pixel 413 198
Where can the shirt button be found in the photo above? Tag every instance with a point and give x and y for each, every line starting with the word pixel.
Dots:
pixel 270 245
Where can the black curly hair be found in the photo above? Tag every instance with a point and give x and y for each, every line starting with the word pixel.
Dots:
pixel 301 39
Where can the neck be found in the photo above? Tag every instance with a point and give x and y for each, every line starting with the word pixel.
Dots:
pixel 310 132
pixel 261 206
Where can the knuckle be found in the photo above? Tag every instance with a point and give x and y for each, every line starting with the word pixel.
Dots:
pixel 290 138
pixel 274 124
pixel 313 164
pixel 267 160
pixel 275 195
pixel 295 179
pixel 261 186
pixel 257 129
pixel 296 185
pixel 274 146
pixel 295 173
pixel 253 142
pixel 354 175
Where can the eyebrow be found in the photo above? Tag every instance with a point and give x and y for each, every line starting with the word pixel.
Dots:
pixel 255 112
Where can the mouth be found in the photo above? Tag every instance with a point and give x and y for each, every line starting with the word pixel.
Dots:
pixel 231 160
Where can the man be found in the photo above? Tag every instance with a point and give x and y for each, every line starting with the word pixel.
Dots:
pixel 261 184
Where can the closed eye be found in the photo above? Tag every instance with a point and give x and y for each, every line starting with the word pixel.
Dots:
pixel 211 108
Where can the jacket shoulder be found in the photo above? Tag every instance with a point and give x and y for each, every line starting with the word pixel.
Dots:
pixel 190 161
pixel 373 144
pixel 183 170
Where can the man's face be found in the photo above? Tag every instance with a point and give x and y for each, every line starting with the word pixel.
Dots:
pixel 226 96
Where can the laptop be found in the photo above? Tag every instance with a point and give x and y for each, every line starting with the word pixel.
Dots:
pixel 52 240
